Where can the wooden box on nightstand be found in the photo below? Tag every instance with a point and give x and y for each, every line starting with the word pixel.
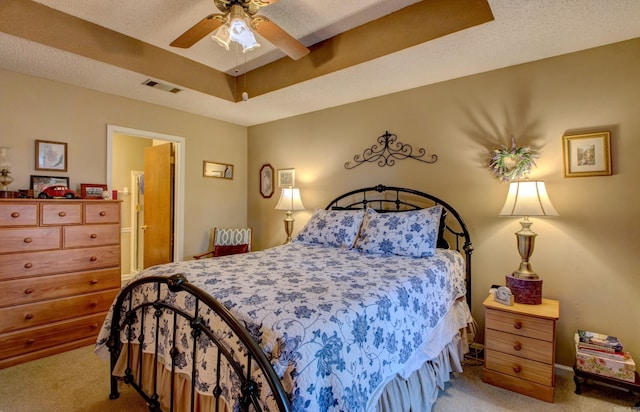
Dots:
pixel 520 347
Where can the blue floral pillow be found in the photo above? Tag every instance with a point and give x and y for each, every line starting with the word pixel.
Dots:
pixel 413 233
pixel 337 228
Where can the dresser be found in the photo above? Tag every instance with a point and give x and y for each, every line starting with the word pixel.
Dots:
pixel 520 347
pixel 59 273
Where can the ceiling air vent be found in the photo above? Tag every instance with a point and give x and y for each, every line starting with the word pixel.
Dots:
pixel 161 86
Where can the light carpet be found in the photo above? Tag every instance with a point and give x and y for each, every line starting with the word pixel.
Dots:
pixel 78 381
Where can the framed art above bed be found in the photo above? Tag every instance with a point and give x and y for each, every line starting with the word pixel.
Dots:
pixel 338 319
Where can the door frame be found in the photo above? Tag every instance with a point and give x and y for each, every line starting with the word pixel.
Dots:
pixel 179 184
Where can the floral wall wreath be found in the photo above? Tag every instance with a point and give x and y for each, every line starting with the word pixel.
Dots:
pixel 511 164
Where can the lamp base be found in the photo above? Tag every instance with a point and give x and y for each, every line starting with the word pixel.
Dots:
pixel 525 291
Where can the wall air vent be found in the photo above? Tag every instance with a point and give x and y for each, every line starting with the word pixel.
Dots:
pixel 161 86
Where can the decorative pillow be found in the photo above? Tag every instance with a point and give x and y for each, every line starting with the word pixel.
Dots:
pixel 230 250
pixel 337 228
pixel 413 233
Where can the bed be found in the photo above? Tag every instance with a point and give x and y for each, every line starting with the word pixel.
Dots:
pixel 366 310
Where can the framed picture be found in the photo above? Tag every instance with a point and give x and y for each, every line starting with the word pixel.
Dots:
pixel 266 180
pixel 286 177
pixel 51 156
pixel 587 154
pixel 39 183
pixel 215 169
pixel 92 191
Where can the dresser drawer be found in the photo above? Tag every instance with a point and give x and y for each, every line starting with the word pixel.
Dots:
pixel 28 290
pixel 29 239
pixel 91 235
pixel 17 266
pixel 61 213
pixel 534 349
pixel 34 314
pixel 34 339
pixel 102 212
pixel 537 328
pixel 533 371
pixel 18 214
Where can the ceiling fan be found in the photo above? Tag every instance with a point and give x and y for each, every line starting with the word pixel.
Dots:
pixel 232 25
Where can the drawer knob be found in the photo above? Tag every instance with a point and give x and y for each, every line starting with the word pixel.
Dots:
pixel 30 341
pixel 28 240
pixel 517 369
pixel 15 214
pixel 103 213
pixel 28 265
pixel 517 324
pixel 28 291
pixel 93 258
pixel 62 214
pixel 517 346
pixel 93 326
pixel 93 236
pixel 93 281
pixel 93 304
pixel 28 316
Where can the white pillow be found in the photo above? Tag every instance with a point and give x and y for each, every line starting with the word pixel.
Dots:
pixel 337 228
pixel 412 233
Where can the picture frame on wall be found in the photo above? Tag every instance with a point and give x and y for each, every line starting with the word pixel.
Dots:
pixel 587 154
pixel 39 183
pixel 92 191
pixel 266 181
pixel 51 156
pixel 286 178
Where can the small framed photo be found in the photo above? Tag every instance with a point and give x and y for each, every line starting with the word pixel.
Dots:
pixel 92 191
pixel 266 180
pixel 39 183
pixel 286 177
pixel 51 156
pixel 587 154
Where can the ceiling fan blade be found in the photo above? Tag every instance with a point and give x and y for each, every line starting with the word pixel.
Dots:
pixel 201 29
pixel 279 38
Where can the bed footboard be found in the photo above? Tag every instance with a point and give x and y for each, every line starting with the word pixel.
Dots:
pixel 227 348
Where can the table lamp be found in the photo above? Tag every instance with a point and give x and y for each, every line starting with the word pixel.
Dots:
pixel 290 201
pixel 526 198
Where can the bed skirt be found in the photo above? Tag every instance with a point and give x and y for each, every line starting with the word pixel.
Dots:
pixel 417 393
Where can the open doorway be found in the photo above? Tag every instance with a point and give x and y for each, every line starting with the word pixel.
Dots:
pixel 131 154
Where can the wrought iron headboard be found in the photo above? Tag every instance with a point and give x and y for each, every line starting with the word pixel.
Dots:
pixel 387 199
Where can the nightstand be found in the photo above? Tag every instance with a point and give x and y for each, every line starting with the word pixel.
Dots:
pixel 520 347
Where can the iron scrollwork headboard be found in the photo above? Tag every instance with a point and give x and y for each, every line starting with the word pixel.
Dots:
pixel 453 233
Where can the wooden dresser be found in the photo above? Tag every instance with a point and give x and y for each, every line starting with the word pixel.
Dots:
pixel 520 347
pixel 59 273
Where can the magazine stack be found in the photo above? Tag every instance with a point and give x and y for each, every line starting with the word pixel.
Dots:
pixel 603 355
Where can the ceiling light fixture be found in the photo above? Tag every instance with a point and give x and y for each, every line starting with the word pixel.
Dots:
pixel 236 29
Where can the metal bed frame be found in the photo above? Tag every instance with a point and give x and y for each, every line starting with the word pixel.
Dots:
pixel 126 312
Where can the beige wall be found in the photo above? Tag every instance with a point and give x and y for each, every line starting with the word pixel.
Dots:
pixel 586 256
pixel 33 108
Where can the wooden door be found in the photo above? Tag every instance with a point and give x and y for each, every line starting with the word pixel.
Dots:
pixel 158 205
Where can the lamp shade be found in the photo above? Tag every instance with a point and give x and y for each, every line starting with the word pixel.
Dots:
pixel 528 198
pixel 236 29
pixel 290 199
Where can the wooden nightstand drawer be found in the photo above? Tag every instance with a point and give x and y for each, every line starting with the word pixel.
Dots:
pixel 62 213
pixel 91 235
pixel 34 339
pixel 519 324
pixel 24 214
pixel 534 349
pixel 533 371
pixel 102 212
pixel 26 316
pixel 28 290
pixel 30 239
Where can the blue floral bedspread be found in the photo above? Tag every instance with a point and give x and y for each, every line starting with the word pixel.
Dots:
pixel 336 323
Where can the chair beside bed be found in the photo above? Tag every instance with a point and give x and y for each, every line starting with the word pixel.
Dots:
pixel 231 361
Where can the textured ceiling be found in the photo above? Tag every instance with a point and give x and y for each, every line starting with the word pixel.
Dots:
pixel 519 31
